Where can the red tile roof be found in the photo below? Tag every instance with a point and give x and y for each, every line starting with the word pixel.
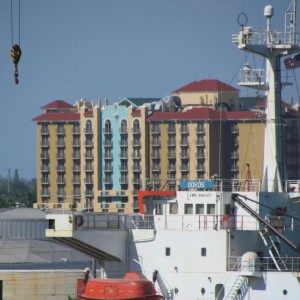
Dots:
pixel 58 104
pixel 57 117
pixel 203 113
pixel 262 104
pixel 207 85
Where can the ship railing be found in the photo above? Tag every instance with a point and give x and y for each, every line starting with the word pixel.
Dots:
pixel 206 222
pixel 249 37
pixel 262 264
pixel 222 185
pixel 98 221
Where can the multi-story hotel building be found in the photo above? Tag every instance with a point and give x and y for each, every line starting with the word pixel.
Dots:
pixel 98 158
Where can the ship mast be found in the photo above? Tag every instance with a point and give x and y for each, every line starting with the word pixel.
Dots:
pixel 272 46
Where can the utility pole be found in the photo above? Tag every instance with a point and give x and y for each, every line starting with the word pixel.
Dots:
pixel 8 182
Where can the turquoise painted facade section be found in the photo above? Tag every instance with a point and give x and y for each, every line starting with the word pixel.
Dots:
pixel 115 114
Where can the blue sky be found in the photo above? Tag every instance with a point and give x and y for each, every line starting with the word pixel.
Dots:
pixel 73 49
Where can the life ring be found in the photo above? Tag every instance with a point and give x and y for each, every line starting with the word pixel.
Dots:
pixel 78 220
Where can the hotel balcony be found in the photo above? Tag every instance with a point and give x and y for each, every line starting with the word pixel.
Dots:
pixel 108 144
pixel 200 155
pixel 108 169
pixel 171 130
pixel 200 130
pixel 89 194
pixel 60 181
pixel 76 131
pixel 107 131
pixel 61 169
pixel 171 154
pixel 184 130
pixel 155 143
pixel 88 181
pixel 123 180
pixel 45 144
pixel 76 155
pixel 45 193
pixel 76 180
pixel 136 168
pixel 155 155
pixel 45 181
pixel 135 155
pixel 60 144
pixel 123 155
pixel 155 130
pixel 60 131
pixel 108 180
pixel 108 156
pixel 184 168
pixel 184 143
pixel 123 130
pixel 60 194
pixel 136 130
pixel 172 181
pixel 88 130
pixel 89 156
pixel 156 169
pixel 200 142
pixel 234 168
pixel 44 156
pixel 200 168
pixel 89 144
pixel 45 169
pixel 136 143
pixel 234 155
pixel 88 169
pixel 123 169
pixel 76 169
pixel 184 155
pixel 76 144
pixel 44 131
pixel 136 180
pixel 123 144
pixel 60 155
pixel 234 130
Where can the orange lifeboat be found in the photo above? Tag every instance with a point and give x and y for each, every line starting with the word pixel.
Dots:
pixel 134 286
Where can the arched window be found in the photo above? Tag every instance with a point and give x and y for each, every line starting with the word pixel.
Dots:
pixel 88 126
pixel 123 126
pixel 107 127
pixel 136 126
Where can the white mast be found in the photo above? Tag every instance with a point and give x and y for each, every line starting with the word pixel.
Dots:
pixel 271 45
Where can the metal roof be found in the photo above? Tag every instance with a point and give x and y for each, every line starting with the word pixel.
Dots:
pixel 136 102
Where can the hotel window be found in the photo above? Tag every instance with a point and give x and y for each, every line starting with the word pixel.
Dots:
pixel 211 208
pixel 107 128
pixel 188 209
pixel 88 126
pixel 171 128
pixel 136 126
pixel 203 251
pixel 123 126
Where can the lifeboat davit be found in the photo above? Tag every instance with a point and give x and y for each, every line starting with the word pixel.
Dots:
pixel 134 286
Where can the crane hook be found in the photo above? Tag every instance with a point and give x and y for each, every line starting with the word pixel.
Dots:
pixel 15 54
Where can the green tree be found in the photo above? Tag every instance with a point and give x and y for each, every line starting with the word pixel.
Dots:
pixel 17 191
